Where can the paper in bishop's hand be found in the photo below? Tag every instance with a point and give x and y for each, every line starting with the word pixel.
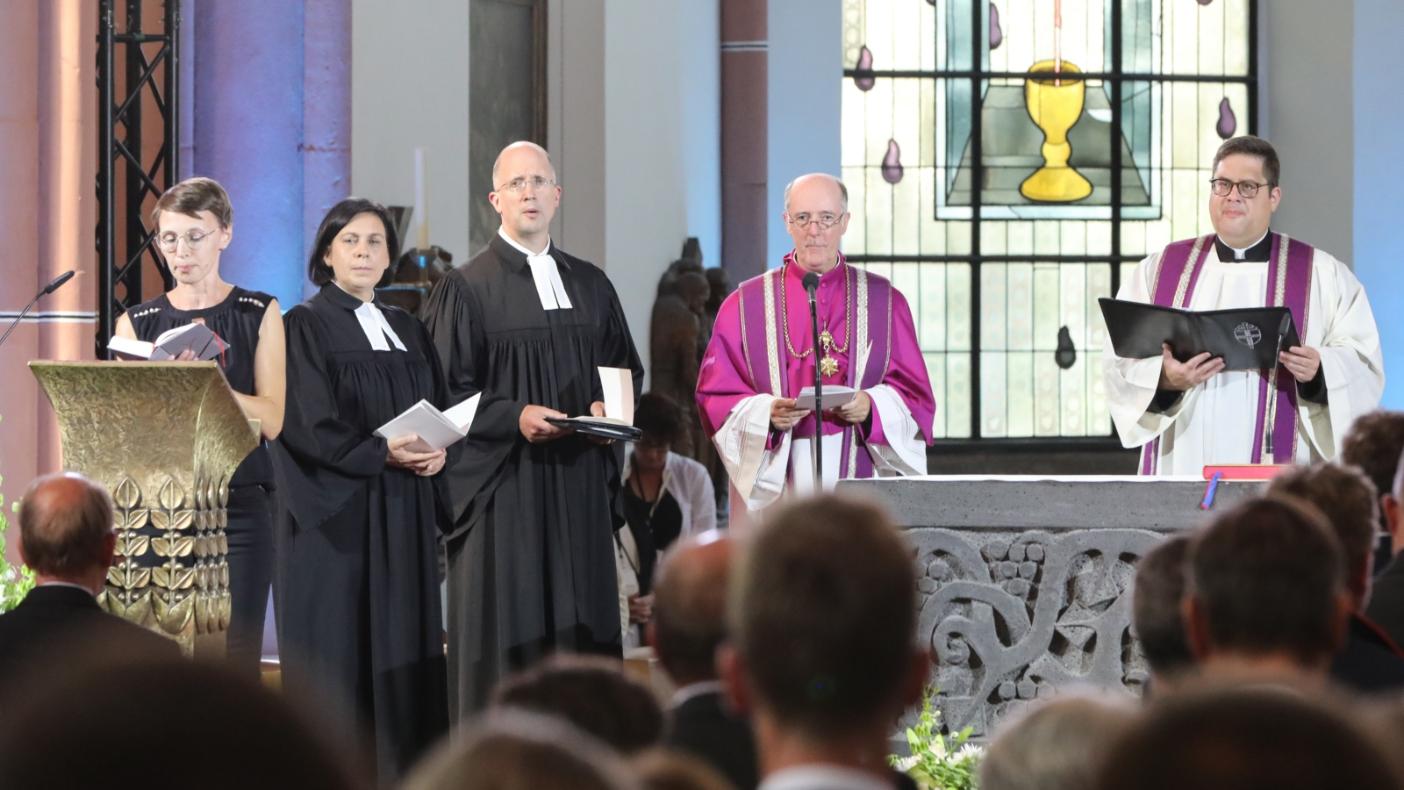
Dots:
pixel 1245 338
pixel 834 397
pixel 435 429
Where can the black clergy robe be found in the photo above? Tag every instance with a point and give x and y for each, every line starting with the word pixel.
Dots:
pixel 531 552
pixel 359 620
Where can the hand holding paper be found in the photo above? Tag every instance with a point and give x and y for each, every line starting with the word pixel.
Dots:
pixel 434 430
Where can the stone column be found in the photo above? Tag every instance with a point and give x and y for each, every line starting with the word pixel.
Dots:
pixel 744 136
pixel 248 113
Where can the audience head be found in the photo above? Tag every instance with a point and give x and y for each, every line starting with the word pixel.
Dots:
pixel 353 231
pixel 1375 443
pixel 160 723
pixel 689 607
pixel 1155 609
pixel 1347 498
pixel 660 421
pixel 822 612
pixel 667 769
pixel 1244 738
pixel 516 750
pixel 524 192
pixel 590 692
pixel 1056 745
pixel 1266 588
pixel 66 530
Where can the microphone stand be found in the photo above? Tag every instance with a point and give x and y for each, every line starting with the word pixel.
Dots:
pixel 811 286
pixel 48 289
pixel 1272 385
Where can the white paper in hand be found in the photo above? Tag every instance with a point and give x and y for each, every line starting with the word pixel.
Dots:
pixel 435 429
pixel 834 397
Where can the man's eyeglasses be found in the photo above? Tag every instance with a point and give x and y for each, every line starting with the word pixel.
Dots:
pixel 169 241
pixel 826 220
pixel 1246 189
pixel 516 185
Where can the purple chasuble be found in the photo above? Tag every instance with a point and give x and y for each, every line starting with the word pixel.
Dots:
pixel 763 343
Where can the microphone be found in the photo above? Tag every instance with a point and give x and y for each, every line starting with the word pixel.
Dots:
pixel 58 282
pixel 53 285
pixel 811 285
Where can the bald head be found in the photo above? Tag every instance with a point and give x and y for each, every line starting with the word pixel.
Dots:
pixel 689 606
pixel 821 185
pixel 66 528
pixel 522 151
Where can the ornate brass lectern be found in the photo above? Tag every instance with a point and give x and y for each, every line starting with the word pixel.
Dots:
pixel 164 437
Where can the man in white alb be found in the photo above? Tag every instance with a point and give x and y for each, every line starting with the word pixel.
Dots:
pixel 1187 414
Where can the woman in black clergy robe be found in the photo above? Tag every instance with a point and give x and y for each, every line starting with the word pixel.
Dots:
pixel 357 572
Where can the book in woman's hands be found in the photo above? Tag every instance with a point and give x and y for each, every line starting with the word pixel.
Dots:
pixel 199 339
pixel 1246 338
pixel 435 429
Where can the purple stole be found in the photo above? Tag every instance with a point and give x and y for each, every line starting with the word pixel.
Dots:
pixel 768 359
pixel 1288 284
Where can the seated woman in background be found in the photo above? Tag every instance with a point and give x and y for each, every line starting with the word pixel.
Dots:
pixel 194 222
pixel 357 572
pixel 666 496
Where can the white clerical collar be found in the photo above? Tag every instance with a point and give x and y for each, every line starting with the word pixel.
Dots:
pixel 1241 254
pixel 823 777
pixel 374 325
pixel 549 288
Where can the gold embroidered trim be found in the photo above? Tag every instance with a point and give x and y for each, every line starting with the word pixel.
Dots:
pixel 860 346
pixel 1187 273
pixel 772 342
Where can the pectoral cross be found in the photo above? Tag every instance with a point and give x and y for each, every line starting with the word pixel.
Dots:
pixel 828 366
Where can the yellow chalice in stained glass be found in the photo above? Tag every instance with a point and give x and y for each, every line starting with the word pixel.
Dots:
pixel 1054 100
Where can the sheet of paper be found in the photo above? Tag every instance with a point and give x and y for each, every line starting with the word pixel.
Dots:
pixel 834 397
pixel 618 385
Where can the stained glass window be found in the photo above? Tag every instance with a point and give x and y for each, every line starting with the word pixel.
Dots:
pixel 1009 161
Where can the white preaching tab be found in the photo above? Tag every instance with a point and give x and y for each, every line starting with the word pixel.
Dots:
pixel 376 328
pixel 549 287
pixel 544 274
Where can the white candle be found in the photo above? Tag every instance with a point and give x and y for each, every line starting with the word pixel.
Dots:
pixel 421 200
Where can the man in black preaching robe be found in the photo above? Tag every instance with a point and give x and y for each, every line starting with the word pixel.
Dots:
pixel 534 506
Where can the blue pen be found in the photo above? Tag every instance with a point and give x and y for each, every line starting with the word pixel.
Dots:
pixel 1210 490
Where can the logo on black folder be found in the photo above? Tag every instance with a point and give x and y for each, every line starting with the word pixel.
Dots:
pixel 1248 334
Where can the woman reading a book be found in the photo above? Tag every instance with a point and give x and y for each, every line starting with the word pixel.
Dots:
pixel 357 565
pixel 194 223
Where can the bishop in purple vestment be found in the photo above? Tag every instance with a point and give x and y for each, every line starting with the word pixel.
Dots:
pixel 762 354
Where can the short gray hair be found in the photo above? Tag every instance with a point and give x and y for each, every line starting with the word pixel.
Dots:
pixel 1057 745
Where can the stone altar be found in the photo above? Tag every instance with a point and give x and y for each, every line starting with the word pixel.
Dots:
pixel 1025 582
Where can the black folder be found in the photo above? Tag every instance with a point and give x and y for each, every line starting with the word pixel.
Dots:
pixel 1246 338
pixel 598 427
